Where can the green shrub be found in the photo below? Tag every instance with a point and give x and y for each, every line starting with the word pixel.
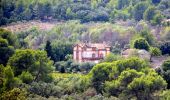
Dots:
pixel 165 71
pixel 165 95
pixel 45 89
pixel 112 57
pixel 166 65
pixel 165 47
pixel 26 77
pixel 71 66
pixel 2 78
pixel 154 52
pixel 141 43
pixel 99 74
pixel 3 42
pixel 14 94
pixel 131 63
pixel 35 62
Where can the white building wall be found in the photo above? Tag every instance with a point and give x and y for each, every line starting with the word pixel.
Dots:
pixel 88 54
pixel 74 55
pixel 80 54
pixel 102 52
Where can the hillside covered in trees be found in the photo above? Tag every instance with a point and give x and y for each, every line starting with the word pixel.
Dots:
pixel 84 10
pixel 36 49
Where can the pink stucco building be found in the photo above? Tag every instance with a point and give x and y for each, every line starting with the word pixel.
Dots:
pixel 90 52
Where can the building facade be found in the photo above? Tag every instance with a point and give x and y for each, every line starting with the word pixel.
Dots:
pixel 90 52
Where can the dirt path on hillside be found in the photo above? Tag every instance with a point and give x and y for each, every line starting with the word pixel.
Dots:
pixel 23 26
pixel 157 61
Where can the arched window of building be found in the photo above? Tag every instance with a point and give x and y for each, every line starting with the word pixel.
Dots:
pixel 93 55
pixel 101 55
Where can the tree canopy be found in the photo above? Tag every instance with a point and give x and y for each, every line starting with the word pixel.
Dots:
pixel 35 62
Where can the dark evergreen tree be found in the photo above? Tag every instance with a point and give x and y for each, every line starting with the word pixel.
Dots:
pixel 48 49
pixel 5 51
pixel 165 47
pixel 141 43
pixel 156 1
pixel 62 70
pixel 139 10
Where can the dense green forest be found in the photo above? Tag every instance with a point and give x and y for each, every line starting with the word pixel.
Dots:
pixel 37 64
pixel 84 10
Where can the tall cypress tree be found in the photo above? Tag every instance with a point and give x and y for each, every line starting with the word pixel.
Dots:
pixel 48 49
